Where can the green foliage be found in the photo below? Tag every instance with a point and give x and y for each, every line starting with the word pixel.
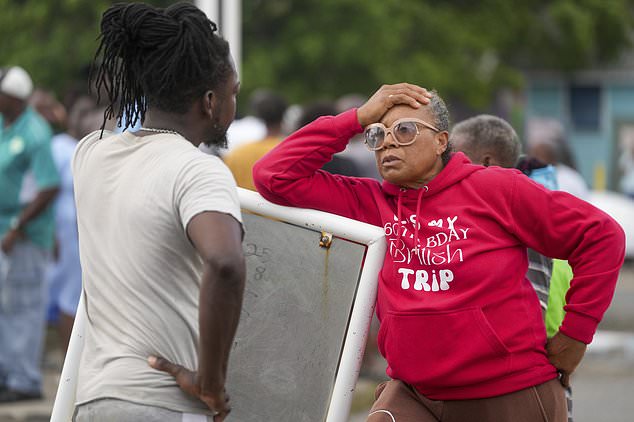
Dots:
pixel 309 49
pixel 51 39
pixel 465 49
pixel 578 33
pixel 54 40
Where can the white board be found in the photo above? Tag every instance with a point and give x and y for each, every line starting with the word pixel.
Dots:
pixel 307 308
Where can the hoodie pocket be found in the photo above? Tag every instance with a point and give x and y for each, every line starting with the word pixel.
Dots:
pixel 443 349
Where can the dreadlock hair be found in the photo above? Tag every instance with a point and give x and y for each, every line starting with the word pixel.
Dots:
pixel 155 57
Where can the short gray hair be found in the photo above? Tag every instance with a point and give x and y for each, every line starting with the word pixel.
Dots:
pixel 439 109
pixel 441 121
pixel 490 134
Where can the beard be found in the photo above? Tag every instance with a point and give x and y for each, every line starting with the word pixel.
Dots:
pixel 217 137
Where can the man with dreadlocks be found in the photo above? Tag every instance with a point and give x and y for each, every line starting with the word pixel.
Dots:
pixel 160 227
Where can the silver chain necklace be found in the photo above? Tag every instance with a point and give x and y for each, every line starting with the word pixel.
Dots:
pixel 151 129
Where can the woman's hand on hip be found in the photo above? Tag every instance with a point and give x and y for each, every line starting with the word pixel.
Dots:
pixel 565 353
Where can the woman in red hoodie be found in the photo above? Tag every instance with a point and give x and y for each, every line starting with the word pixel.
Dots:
pixel 461 327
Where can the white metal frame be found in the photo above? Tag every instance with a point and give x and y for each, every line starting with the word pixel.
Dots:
pixel 358 325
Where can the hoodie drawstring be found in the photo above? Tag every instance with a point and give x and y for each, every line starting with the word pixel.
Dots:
pixel 399 215
pixel 399 232
pixel 418 202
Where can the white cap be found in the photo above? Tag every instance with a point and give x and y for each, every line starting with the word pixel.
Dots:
pixel 15 82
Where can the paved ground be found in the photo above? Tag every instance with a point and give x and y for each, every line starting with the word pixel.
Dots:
pixel 38 410
pixel 603 385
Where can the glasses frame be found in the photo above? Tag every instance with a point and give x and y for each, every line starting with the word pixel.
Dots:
pixel 389 130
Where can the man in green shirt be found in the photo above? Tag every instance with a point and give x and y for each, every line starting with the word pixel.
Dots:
pixel 28 184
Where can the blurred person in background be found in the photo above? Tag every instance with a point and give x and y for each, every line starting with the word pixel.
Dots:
pixel 64 272
pixel 461 328
pixel 269 107
pixel 546 141
pixel 29 182
pixel 337 164
pixel 45 103
pixel 159 221
pixel 85 113
pixel 85 116
pixel 356 150
pixel 626 164
pixel 245 129
pixel 491 141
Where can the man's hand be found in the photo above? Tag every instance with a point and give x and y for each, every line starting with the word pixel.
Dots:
pixel 565 354
pixel 189 382
pixel 8 241
pixel 387 97
pixel 42 200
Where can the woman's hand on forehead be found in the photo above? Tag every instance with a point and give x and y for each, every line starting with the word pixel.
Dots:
pixel 387 97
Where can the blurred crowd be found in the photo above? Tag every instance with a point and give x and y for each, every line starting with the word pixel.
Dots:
pixel 40 273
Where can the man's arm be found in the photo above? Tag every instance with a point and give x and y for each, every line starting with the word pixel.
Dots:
pixel 42 200
pixel 218 239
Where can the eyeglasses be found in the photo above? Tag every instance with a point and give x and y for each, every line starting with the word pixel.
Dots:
pixel 404 131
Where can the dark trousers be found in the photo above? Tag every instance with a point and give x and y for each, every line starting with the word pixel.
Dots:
pixel 396 401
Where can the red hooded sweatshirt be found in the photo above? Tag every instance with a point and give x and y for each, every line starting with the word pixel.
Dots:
pixel 459 319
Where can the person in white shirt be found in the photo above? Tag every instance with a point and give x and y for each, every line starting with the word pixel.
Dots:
pixel 545 140
pixel 159 221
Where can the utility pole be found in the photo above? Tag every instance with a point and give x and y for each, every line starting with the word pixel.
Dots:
pixel 227 14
